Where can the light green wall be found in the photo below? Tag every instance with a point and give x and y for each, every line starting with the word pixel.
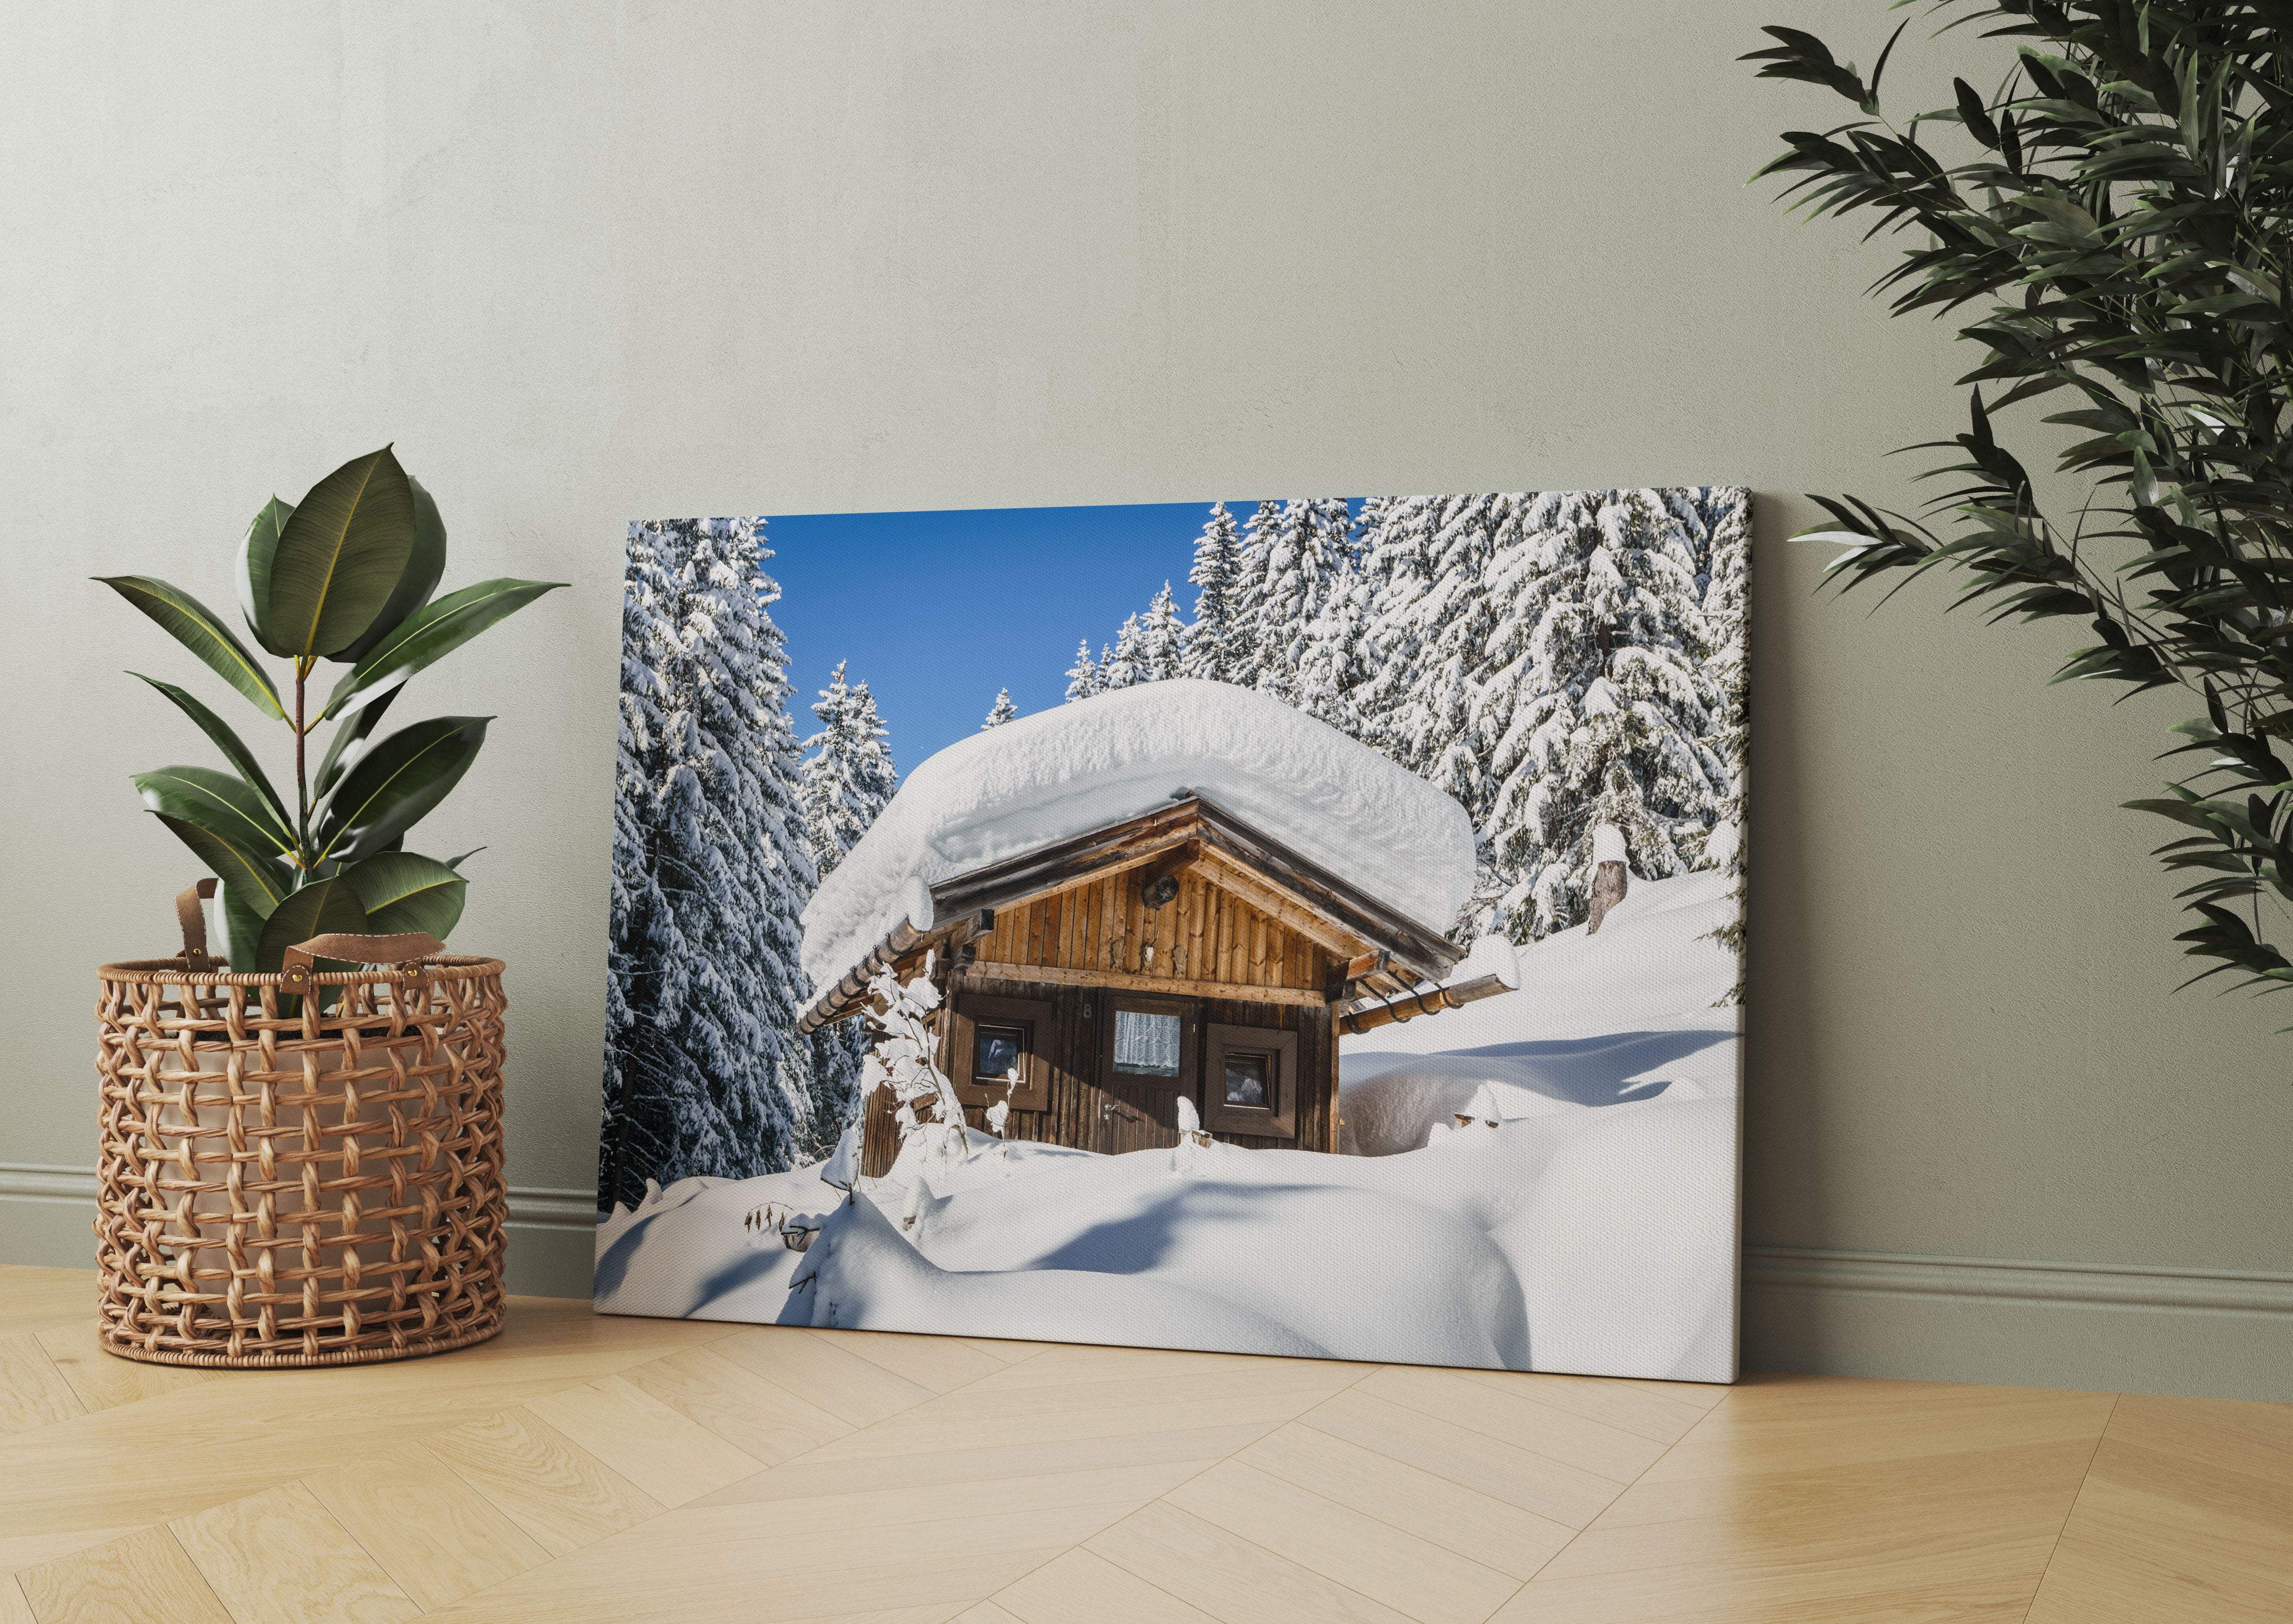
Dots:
pixel 584 263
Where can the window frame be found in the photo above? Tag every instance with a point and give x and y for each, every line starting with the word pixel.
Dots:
pixel 1278 1119
pixel 1110 1001
pixel 1033 1017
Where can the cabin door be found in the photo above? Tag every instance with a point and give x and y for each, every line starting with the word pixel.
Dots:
pixel 1147 1062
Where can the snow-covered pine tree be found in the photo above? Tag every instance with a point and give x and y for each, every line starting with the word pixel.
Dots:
pixel 1161 650
pixel 1085 676
pixel 1430 623
pixel 1290 598
pixel 1004 710
pixel 1217 555
pixel 1120 668
pixel 642 934
pixel 849 776
pixel 847 780
pixel 1596 701
pixel 715 1082
pixel 1727 511
pixel 1245 641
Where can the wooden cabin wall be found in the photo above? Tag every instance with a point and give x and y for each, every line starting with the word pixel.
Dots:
pixel 1076 1114
pixel 1204 934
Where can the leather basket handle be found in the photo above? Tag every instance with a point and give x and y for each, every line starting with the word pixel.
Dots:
pixel 193 920
pixel 295 965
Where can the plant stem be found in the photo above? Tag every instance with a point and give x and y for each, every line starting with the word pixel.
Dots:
pixel 301 784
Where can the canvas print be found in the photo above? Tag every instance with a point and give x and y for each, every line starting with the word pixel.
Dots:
pixel 1303 926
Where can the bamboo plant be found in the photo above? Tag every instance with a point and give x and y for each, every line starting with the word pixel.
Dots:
pixel 2114 224
pixel 347 576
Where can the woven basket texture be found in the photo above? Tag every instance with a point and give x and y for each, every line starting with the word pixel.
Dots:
pixel 291 1181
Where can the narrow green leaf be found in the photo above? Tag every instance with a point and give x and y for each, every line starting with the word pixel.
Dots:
pixel 430 635
pixel 262 880
pixel 402 890
pixel 320 908
pixel 340 555
pixel 456 863
pixel 218 801
pixel 256 548
pixel 397 782
pixel 349 743
pixel 195 625
pixel 424 565
pixel 233 748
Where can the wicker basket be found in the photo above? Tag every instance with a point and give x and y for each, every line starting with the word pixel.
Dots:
pixel 292 1177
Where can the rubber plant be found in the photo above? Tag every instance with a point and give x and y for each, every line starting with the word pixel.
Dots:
pixel 347 576
pixel 2110 225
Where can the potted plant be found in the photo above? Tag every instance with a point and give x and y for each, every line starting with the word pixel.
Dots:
pixel 347 576
pixel 302 1156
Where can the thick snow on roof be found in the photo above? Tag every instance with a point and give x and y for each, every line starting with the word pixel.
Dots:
pixel 1081 767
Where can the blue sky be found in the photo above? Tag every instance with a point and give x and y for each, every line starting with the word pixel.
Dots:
pixel 937 610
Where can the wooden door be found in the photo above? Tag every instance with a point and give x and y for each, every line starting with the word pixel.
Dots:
pixel 1148 1048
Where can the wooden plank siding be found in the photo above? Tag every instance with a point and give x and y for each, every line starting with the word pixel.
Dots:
pixel 1208 943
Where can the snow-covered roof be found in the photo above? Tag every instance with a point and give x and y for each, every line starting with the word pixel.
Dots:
pixel 1096 762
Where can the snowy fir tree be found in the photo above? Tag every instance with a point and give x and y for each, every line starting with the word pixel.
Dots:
pixel 1160 651
pixel 1003 711
pixel 704 1075
pixel 1120 668
pixel 847 780
pixel 1293 605
pixel 1598 700
pixel 1087 676
pixel 849 774
pixel 1217 555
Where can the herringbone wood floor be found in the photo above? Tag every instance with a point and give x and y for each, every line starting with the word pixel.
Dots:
pixel 623 1470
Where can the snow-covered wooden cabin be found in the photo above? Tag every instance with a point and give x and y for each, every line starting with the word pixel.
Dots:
pixel 1180 889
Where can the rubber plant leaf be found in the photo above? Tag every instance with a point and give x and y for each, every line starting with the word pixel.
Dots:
pixel 396 783
pixel 195 625
pixel 429 635
pixel 256 550
pixel 218 801
pixel 242 927
pixel 403 890
pixel 349 743
pixel 234 747
pixel 424 565
pixel 261 883
pixel 340 557
pixel 320 908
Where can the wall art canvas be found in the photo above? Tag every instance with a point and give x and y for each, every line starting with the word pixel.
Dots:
pixel 1307 926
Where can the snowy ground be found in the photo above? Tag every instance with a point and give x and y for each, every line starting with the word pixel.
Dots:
pixel 1593 1230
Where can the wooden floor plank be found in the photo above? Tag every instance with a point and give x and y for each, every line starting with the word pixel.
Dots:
pixel 33 1393
pixel 1414 1577
pixel 1083 1588
pixel 430 1530
pixel 144 1578
pixel 1191 1447
pixel 1227 1577
pixel 661 1450
pixel 753 1415
pixel 1459 1519
pixel 838 1380
pixel 281 1557
pixel 1514 1416
pixel 562 1495
pixel 941 1363
pixel 13 1608
pixel 1665 1416
pixel 1551 1489
pixel 102 1379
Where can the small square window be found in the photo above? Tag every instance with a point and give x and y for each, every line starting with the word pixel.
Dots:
pixel 1146 1044
pixel 1245 1081
pixel 995 1053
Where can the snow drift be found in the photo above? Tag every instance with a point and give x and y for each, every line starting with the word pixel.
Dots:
pixel 1591 1230
pixel 1083 766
